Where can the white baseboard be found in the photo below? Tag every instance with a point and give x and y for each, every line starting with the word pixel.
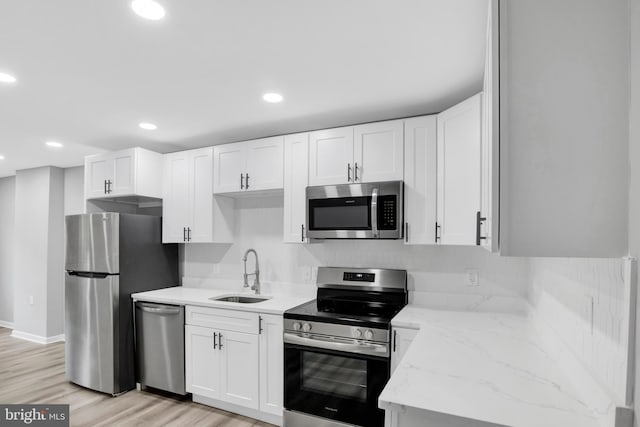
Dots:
pixel 247 412
pixel 8 325
pixel 37 338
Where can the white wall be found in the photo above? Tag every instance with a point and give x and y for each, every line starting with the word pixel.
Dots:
pixel 437 274
pixel 634 158
pixel 7 210
pixel 55 254
pixel 74 190
pixel 38 253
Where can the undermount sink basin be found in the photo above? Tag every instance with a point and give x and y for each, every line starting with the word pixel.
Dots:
pixel 241 299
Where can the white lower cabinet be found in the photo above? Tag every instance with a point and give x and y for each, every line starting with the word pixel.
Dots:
pixel 235 357
pixel 271 364
pixel 239 368
pixel 401 340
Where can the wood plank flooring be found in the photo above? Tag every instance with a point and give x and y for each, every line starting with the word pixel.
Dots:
pixel 34 373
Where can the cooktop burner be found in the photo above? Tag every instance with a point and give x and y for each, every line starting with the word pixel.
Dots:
pixel 354 296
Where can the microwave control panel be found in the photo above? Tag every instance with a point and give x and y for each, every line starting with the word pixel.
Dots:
pixel 387 212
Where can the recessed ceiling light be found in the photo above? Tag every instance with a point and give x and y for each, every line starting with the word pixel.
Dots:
pixel 148 9
pixel 53 144
pixel 148 126
pixel 272 97
pixel 1 157
pixel 7 78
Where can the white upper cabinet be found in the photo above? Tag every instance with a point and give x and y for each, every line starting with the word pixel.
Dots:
pixel 296 179
pixel 564 137
pixel 229 167
pixel 331 156
pixel 488 221
pixel 249 166
pixel 378 151
pixel 458 185
pixel 420 177
pixel 365 153
pixel 190 212
pixel 132 172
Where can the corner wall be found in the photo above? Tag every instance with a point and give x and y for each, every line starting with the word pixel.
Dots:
pixel 7 246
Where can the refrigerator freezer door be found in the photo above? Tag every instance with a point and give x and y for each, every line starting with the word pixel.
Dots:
pixel 91 322
pixel 93 243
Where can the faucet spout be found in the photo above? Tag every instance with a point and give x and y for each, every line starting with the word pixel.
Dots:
pixel 256 272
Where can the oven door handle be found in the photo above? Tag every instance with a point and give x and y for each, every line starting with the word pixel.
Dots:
pixel 374 212
pixel 337 344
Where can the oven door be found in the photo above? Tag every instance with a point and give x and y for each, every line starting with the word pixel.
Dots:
pixel 336 385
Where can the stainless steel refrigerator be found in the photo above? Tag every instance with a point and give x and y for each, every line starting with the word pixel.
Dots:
pixel 109 256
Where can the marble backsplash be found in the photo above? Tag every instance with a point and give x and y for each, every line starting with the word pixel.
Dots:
pixel 590 305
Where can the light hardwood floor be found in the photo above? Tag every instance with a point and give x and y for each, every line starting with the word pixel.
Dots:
pixel 33 373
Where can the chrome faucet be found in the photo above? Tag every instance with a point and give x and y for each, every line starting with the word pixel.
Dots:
pixel 256 273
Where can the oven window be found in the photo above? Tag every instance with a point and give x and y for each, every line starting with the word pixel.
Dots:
pixel 341 217
pixel 334 375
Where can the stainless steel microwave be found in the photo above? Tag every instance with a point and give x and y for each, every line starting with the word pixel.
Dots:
pixel 355 211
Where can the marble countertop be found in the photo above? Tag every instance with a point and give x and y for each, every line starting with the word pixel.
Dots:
pixel 276 304
pixel 490 368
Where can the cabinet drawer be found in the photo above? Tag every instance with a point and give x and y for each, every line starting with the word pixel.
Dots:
pixel 222 319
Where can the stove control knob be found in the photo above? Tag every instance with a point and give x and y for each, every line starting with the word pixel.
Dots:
pixel 368 334
pixel 357 333
pixel 306 327
pixel 297 326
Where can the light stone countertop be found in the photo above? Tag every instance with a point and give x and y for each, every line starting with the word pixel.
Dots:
pixel 485 367
pixel 276 304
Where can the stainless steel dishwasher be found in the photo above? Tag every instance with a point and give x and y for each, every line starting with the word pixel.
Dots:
pixel 160 346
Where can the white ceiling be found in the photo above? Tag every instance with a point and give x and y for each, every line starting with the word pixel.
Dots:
pixel 89 71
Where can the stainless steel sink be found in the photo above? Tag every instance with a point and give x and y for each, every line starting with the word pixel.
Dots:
pixel 241 299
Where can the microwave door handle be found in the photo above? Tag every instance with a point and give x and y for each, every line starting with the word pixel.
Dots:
pixel 374 213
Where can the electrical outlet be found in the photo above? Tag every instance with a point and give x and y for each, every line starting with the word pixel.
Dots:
pixel 472 277
pixel 307 274
pixel 589 308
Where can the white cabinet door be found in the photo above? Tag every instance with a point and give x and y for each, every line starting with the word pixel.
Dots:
pixel 201 195
pixel 490 149
pixel 379 151
pixel 420 177
pixel 296 178
pixel 239 373
pixel 98 170
pixel 202 362
pixel 459 135
pixel 271 364
pixel 402 339
pixel 176 206
pixel 229 167
pixel 264 164
pixel 124 179
pixel 331 156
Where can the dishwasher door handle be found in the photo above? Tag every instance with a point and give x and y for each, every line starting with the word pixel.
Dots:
pixel 159 310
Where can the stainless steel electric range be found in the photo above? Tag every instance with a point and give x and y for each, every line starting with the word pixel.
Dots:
pixel 337 348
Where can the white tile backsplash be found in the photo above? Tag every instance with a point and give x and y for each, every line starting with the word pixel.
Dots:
pixel 437 275
pixel 587 303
